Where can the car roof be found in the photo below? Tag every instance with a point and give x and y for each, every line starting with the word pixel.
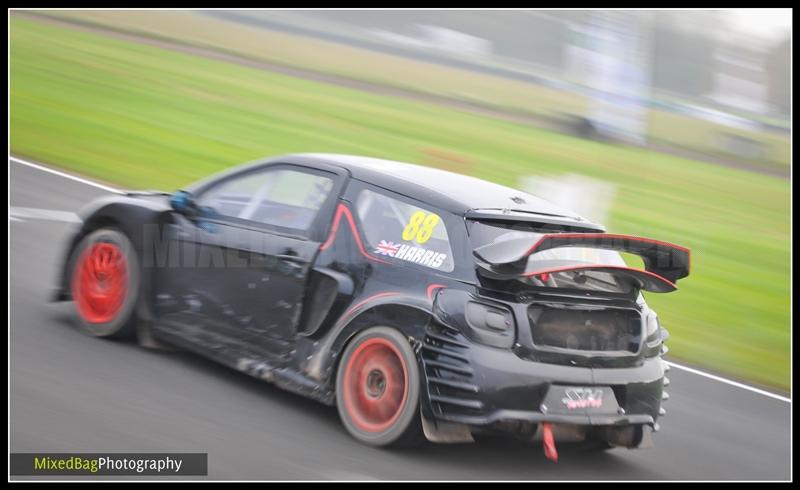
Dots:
pixel 457 193
pixel 454 192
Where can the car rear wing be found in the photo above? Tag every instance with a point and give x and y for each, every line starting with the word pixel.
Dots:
pixel 664 262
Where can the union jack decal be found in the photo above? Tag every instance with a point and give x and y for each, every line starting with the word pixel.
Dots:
pixel 387 248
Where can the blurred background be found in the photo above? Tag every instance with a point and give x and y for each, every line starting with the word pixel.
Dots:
pixel 669 124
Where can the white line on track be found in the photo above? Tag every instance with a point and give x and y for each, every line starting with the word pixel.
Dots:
pixel 64 174
pixel 730 382
pixel 21 214
pixel 678 366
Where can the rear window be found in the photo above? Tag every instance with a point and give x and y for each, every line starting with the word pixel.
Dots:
pixel 403 231
pixel 482 233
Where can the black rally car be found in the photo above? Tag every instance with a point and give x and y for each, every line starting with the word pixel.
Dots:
pixel 417 301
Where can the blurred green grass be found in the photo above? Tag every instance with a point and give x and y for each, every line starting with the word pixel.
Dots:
pixel 144 117
pixel 194 29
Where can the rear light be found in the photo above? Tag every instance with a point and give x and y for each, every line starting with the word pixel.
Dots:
pixel 652 326
pixel 655 335
pixel 479 320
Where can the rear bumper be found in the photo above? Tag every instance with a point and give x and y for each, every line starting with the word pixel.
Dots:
pixel 468 383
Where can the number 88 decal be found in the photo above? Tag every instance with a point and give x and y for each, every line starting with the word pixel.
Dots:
pixel 420 227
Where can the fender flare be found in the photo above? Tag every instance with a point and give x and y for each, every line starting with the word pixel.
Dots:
pixel 128 214
pixel 365 312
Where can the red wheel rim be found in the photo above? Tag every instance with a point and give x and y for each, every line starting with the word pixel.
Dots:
pixel 99 282
pixel 375 387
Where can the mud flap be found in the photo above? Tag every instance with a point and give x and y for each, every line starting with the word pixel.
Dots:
pixel 144 337
pixel 144 329
pixel 445 432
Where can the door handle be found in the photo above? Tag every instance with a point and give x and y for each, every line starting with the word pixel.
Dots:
pixel 291 262
pixel 289 258
pixel 289 255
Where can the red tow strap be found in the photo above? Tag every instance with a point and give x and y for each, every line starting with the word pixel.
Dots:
pixel 549 443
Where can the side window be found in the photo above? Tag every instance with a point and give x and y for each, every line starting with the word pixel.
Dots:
pixel 276 197
pixel 230 197
pixel 397 229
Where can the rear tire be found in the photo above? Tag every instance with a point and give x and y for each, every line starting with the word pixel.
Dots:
pixel 104 284
pixel 378 389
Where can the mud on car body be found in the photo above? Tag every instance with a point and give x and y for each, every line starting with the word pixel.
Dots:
pixel 418 301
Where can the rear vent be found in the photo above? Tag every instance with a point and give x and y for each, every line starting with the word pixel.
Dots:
pixel 585 329
pixel 448 373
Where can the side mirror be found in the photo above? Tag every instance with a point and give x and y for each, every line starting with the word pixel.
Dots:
pixel 182 202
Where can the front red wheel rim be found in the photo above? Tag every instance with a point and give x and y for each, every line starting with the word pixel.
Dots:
pixel 375 386
pixel 100 282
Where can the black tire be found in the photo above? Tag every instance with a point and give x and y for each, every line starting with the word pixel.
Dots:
pixel 121 322
pixel 405 426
